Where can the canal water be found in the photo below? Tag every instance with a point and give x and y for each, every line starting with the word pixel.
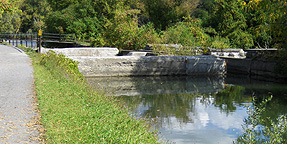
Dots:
pixel 201 110
pixel 27 43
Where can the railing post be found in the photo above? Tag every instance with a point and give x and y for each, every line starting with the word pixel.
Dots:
pixel 13 39
pixel 32 40
pixel 26 40
pixel 21 42
pixel 9 37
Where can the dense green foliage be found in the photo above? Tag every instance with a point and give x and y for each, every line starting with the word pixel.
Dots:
pixel 10 16
pixel 231 23
pixel 34 13
pixel 72 112
pixel 131 24
pixel 260 129
pixel 164 13
pixel 123 31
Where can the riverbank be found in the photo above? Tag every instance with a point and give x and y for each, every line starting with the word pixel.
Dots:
pixel 73 112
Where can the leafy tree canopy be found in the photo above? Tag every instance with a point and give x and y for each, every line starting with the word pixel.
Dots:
pixel 34 14
pixel 216 23
pixel 10 16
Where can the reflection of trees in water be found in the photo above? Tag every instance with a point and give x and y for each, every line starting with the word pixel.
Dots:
pixel 182 106
pixel 133 86
pixel 164 106
pixel 229 98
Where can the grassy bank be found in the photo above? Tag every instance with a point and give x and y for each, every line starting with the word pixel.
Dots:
pixel 73 112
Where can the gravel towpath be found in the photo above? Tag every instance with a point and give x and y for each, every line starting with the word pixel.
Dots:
pixel 18 114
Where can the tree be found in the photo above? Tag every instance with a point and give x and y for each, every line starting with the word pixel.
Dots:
pixel 267 22
pixel 204 12
pixel 123 31
pixel 163 13
pixel 232 23
pixel 279 27
pixel 5 6
pixel 34 14
pixel 80 18
pixel 187 33
pixel 85 18
pixel 58 5
pixel 10 16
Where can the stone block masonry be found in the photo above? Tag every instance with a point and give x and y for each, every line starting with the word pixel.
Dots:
pixel 98 62
pixel 150 65
pixel 255 68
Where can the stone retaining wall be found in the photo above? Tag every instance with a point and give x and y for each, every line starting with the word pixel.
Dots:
pixel 150 65
pixel 94 62
pixel 259 69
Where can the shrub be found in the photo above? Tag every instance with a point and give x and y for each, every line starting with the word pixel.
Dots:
pixel 187 33
pixel 98 42
pixel 61 65
pixel 220 42
pixel 263 130
pixel 123 31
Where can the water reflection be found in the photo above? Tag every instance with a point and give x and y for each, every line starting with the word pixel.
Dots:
pixel 230 98
pixel 209 125
pixel 194 110
pixel 132 86
pixel 193 118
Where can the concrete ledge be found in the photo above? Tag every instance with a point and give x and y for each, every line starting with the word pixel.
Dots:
pixel 95 52
pixel 229 53
pixel 150 65
pixel 137 53
pixel 97 62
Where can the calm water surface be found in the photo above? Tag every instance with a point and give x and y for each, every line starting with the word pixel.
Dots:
pixel 194 109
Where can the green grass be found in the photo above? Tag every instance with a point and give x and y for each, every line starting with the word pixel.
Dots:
pixel 73 112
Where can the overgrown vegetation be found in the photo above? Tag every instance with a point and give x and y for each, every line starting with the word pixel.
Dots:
pixel 73 112
pixel 258 129
pixel 131 24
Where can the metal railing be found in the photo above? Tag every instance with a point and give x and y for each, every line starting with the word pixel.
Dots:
pixel 27 39
pixel 58 37
pixel 34 40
